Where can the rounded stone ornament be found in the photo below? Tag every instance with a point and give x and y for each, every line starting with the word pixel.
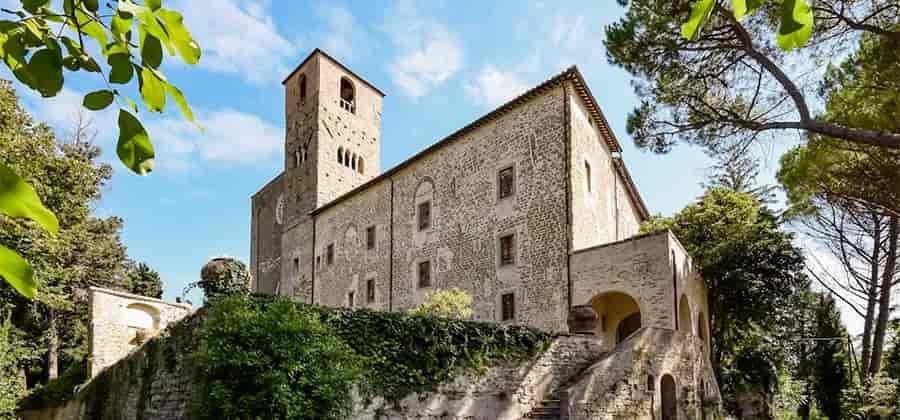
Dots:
pixel 582 320
pixel 223 276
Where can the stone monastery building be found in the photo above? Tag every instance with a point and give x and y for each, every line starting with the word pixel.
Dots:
pixel 529 209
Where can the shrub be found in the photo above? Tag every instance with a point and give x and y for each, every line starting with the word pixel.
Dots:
pixel 272 359
pixel 448 303
pixel 11 386
pixel 57 391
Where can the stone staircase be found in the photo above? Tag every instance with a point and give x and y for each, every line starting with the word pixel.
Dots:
pixel 548 409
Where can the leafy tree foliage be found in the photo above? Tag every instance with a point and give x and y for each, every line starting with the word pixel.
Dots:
pixel 755 276
pixel 449 303
pixel 43 43
pixel 87 250
pixel 730 82
pixel 12 385
pixel 290 365
pixel 143 280
pixel 223 276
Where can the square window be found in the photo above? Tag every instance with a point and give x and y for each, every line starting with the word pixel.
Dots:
pixel 508 250
pixel 506 183
pixel 350 297
pixel 370 291
pixel 425 274
pixel 329 254
pixel 508 307
pixel 424 215
pixel 370 237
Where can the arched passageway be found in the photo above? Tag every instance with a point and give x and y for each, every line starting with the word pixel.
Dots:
pixel 618 316
pixel 668 398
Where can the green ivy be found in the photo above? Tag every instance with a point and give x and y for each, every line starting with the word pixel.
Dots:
pixel 264 357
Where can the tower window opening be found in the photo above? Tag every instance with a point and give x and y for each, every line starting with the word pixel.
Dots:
pixel 360 166
pixel 348 96
pixel 302 88
pixel 341 155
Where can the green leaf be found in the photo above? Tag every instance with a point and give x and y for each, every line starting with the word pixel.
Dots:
pixel 151 25
pixel 151 50
pixel 796 24
pixel 91 5
pixel 134 147
pixel 153 89
pixel 18 199
pixel 153 4
pixel 121 26
pixel 98 100
pixel 16 271
pixel 122 70
pixel 180 36
pixel 699 15
pixel 182 103
pixel 32 6
pixel 46 68
pixel 71 63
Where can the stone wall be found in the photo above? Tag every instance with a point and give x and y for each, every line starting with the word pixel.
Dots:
pixel 120 322
pixel 153 382
pixel 602 211
pixel 627 382
pixel 459 179
pixel 506 392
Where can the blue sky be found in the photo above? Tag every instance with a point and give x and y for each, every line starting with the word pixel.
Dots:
pixel 442 65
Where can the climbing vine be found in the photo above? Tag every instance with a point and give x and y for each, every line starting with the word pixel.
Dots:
pixel 301 361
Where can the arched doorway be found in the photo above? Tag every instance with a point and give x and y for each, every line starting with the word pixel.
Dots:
pixel 618 316
pixel 684 315
pixel 668 398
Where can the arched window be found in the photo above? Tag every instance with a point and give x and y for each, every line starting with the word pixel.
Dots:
pixel 348 95
pixel 684 315
pixel 305 153
pixel 341 155
pixel 587 175
pixel 298 155
pixel 353 162
pixel 669 398
pixel 360 166
pixel 302 87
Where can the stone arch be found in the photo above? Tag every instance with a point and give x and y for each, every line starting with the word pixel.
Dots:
pixel 348 95
pixel 618 316
pixel 340 155
pixel 141 316
pixel 684 315
pixel 668 397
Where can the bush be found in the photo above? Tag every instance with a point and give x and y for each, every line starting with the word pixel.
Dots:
pixel 224 276
pixel 272 359
pixel 57 391
pixel 11 386
pixel 268 357
pixel 449 303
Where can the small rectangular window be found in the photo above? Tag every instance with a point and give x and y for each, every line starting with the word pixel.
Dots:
pixel 425 274
pixel 587 175
pixel 370 237
pixel 370 291
pixel 424 215
pixel 329 254
pixel 506 183
pixel 508 250
pixel 508 307
pixel 296 265
pixel 350 297
pixel 318 262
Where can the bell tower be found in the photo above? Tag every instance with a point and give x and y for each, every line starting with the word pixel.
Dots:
pixel 333 134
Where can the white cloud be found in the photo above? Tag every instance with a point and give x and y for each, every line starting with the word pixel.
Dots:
pixel 493 87
pixel 229 136
pixel 341 32
pixel 238 37
pixel 428 52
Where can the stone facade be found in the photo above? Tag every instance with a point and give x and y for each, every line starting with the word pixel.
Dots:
pixel 312 225
pixel 120 322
